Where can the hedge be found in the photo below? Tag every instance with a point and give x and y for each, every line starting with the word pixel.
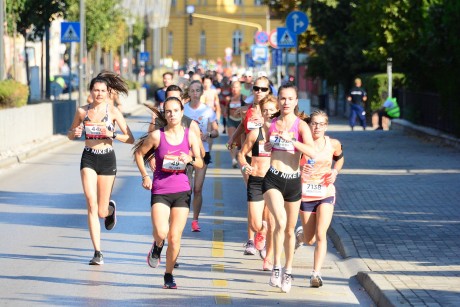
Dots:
pixel 376 86
pixel 13 94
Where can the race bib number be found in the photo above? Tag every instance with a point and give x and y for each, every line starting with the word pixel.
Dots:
pixel 262 151
pixel 280 143
pixel 253 125
pixel 171 164
pixel 235 105
pixel 310 189
pixel 95 130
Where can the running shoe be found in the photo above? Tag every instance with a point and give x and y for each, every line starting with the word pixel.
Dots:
pixel 286 282
pixel 250 249
pixel 98 259
pixel 259 239
pixel 176 265
pixel 275 279
pixel 195 226
pixel 154 256
pixel 298 238
pixel 315 280
pixel 267 266
pixel 263 253
pixel 170 283
pixel 111 220
pixel 234 163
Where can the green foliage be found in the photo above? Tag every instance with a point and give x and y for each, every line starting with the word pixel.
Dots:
pixel 133 85
pixel 376 85
pixel 13 94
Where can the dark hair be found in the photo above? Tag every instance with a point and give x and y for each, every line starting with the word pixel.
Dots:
pixel 287 85
pixel 206 77
pixel 172 98
pixel 174 88
pixel 168 73
pixel 112 80
pixel 195 82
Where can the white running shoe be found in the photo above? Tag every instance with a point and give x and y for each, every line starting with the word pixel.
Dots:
pixel 298 238
pixel 275 279
pixel 286 282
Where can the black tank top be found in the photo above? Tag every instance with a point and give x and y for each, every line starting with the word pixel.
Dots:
pixel 255 147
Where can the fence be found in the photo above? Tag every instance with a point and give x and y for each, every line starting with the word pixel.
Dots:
pixel 429 110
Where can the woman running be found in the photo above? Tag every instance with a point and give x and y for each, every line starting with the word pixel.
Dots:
pixel 252 120
pixel 260 162
pixel 289 137
pixel 98 165
pixel 318 192
pixel 234 116
pixel 174 148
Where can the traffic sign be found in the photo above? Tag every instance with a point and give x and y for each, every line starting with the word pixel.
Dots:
pixel 277 56
pixel 70 32
pixel 144 56
pixel 297 22
pixel 272 38
pixel 259 53
pixel 286 39
pixel 249 60
pixel 261 37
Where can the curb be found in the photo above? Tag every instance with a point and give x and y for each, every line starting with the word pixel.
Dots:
pixel 36 150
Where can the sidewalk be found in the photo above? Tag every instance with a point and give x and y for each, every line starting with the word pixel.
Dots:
pixel 397 220
pixel 397 216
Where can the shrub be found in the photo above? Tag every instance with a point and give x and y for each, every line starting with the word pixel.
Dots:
pixel 376 86
pixel 13 94
pixel 133 85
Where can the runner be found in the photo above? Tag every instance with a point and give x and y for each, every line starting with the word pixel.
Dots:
pixel 207 121
pixel 318 192
pixel 210 96
pixel 289 137
pixel 98 165
pixel 234 116
pixel 170 201
pixel 252 119
pixel 254 143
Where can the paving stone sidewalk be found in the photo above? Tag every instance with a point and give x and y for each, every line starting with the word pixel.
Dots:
pixel 398 213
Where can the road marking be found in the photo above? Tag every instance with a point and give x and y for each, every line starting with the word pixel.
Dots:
pixel 223 299
pixel 222 283
pixel 217 268
pixel 217 189
pixel 219 213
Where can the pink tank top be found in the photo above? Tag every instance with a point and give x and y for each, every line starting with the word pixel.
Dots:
pixel 313 186
pixel 169 176
pixel 278 143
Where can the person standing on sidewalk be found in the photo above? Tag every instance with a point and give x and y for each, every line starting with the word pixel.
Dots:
pixel 175 147
pixel 318 192
pixel 357 99
pixel 98 165
pixel 289 138
pixel 260 162
pixel 207 121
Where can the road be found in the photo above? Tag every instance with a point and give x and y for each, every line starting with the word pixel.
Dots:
pixel 45 245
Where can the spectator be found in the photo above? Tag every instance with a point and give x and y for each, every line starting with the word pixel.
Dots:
pixel 357 98
pixel 389 109
pixel 160 94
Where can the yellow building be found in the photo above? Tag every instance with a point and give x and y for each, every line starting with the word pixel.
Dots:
pixel 216 25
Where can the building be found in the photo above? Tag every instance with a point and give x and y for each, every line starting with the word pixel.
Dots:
pixel 214 27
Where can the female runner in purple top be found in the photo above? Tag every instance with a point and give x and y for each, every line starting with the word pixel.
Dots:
pixel 170 201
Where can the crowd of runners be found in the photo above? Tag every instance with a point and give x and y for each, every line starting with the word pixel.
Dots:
pixel 288 164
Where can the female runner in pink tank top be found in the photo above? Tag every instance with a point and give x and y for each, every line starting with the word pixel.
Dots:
pixel 318 192
pixel 174 148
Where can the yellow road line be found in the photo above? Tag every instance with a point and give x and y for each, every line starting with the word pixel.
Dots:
pixel 223 299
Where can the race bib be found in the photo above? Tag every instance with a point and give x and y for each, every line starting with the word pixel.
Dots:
pixel 262 151
pixel 96 130
pixel 171 164
pixel 310 189
pixel 235 105
pixel 280 143
pixel 253 125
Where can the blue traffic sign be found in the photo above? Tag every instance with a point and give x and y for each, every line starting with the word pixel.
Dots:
pixel 261 37
pixel 144 56
pixel 277 56
pixel 297 22
pixel 259 53
pixel 249 60
pixel 70 32
pixel 285 38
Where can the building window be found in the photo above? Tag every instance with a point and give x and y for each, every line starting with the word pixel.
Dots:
pixel 173 3
pixel 236 41
pixel 257 2
pixel 238 2
pixel 202 43
pixel 170 43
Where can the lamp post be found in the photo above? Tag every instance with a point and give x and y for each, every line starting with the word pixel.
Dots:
pixel 189 9
pixel 2 47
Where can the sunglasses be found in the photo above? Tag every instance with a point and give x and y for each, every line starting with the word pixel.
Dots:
pixel 257 88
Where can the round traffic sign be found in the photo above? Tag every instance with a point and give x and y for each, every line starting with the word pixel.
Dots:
pixel 272 38
pixel 297 22
pixel 261 37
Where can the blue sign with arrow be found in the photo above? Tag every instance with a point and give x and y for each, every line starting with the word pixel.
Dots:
pixel 297 22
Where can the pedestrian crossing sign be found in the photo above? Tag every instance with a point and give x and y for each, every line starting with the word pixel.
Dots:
pixel 285 38
pixel 70 32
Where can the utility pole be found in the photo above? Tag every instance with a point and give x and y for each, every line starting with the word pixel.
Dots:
pixel 2 45
pixel 81 71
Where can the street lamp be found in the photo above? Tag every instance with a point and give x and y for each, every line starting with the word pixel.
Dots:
pixel 189 9
pixel 390 77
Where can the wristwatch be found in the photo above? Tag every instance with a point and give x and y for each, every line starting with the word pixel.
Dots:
pixel 114 135
pixel 192 162
pixel 293 140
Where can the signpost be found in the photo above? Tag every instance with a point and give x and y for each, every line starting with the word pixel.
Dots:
pixel 70 32
pixel 297 23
